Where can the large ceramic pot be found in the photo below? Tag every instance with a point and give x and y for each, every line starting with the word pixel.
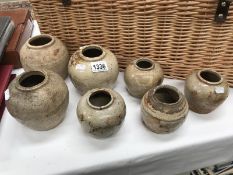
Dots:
pixel 38 99
pixel 101 112
pixel 205 90
pixel 92 67
pixel 164 109
pixel 141 75
pixel 45 52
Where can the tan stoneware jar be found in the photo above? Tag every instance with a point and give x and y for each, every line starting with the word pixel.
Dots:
pixel 45 52
pixel 141 75
pixel 164 109
pixel 38 99
pixel 101 112
pixel 93 66
pixel 205 90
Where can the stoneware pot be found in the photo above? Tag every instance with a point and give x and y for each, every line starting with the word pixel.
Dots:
pixel 38 99
pixel 92 67
pixel 164 109
pixel 205 90
pixel 45 52
pixel 141 75
pixel 101 112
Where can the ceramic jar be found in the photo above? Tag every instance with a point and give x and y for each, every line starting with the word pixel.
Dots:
pixel 38 99
pixel 141 75
pixel 101 112
pixel 45 52
pixel 164 109
pixel 205 90
pixel 93 66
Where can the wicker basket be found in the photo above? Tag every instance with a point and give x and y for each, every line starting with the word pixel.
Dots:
pixel 180 34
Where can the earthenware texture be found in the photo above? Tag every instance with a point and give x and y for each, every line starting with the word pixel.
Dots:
pixel 164 109
pixel 45 52
pixel 141 75
pixel 38 99
pixel 101 112
pixel 205 90
pixel 92 67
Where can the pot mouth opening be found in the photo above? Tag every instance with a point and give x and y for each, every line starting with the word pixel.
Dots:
pixel 92 51
pixel 166 95
pixel 100 99
pixel 210 76
pixel 40 40
pixel 31 80
pixel 144 64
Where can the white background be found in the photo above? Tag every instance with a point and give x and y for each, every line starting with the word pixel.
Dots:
pixel 201 141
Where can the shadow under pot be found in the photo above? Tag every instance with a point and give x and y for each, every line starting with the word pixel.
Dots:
pixel 45 52
pixel 205 90
pixel 141 75
pixel 164 109
pixel 38 99
pixel 101 112
pixel 93 66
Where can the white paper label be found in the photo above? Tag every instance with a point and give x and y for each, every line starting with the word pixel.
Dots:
pixel 7 94
pixel 219 90
pixel 80 67
pixel 99 66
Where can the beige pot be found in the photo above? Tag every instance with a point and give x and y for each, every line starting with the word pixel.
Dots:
pixel 141 75
pixel 205 90
pixel 164 109
pixel 101 111
pixel 83 68
pixel 45 52
pixel 38 99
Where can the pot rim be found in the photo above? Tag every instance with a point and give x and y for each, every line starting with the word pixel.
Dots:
pixel 81 49
pixel 103 90
pixel 156 100
pixel 147 60
pixel 212 72
pixel 41 36
pixel 30 73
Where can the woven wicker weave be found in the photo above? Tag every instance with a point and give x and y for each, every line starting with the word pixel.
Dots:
pixel 180 34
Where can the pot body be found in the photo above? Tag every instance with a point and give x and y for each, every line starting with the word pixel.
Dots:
pixel 139 77
pixel 45 52
pixel 100 117
pixel 81 70
pixel 204 96
pixel 38 99
pixel 163 117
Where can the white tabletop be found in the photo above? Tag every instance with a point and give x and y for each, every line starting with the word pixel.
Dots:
pixel 201 141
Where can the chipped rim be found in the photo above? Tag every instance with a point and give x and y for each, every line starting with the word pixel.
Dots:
pixel 156 100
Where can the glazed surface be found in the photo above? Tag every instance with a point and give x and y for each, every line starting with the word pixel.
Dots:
pixel 163 118
pixel 203 97
pixel 101 122
pixel 138 81
pixel 53 56
pixel 42 108
pixel 84 79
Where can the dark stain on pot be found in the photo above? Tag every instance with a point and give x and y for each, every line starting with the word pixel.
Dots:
pixel 55 53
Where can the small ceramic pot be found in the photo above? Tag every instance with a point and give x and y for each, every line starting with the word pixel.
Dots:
pixel 164 109
pixel 205 90
pixel 38 99
pixel 92 67
pixel 141 75
pixel 101 112
pixel 45 52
